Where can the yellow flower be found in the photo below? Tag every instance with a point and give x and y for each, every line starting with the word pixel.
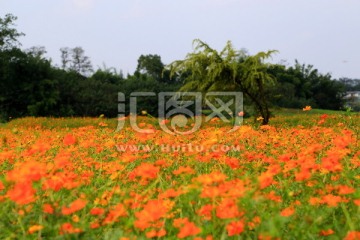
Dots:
pixel 307 108
pixel 35 228
pixel 260 119
pixel 75 218
pixel 143 112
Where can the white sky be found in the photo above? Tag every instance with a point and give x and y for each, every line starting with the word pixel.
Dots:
pixel 324 33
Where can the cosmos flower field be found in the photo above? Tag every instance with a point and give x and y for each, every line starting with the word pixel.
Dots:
pixel 297 178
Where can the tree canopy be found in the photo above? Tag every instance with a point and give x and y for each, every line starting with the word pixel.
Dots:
pixel 8 34
pixel 230 69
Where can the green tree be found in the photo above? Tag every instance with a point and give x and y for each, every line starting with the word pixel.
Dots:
pixel 301 85
pixel 41 84
pixel 8 34
pixel 68 90
pixel 350 84
pixel 292 90
pixel 150 65
pixel 210 70
pixel 30 84
pixel 109 75
pixel 37 51
pixel 74 59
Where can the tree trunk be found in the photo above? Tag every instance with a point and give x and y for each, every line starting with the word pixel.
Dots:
pixel 260 103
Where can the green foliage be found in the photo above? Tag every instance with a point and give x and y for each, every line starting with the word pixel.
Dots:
pixel 30 84
pixel 8 35
pixel 301 85
pixel 350 84
pixel 146 83
pixel 150 65
pixel 74 59
pixel 229 69
pixel 88 96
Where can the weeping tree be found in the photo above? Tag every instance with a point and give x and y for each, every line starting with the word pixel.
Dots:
pixel 209 70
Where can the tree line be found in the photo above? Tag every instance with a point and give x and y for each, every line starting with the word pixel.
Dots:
pixel 31 85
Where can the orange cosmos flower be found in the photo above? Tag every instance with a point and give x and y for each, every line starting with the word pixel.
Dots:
pixel 342 141
pixel 232 162
pixel 68 228
pixel 178 222
pixel 162 163
pixel 31 170
pixel 146 171
pixel 206 211
pixel 272 196
pixel 302 175
pixel 56 181
pixel 287 212
pixel 211 192
pixel 103 124
pixel 209 237
pixel 265 180
pixel 153 233
pixel 182 170
pixel 326 232
pixel 227 209
pixel 214 177
pixel 97 211
pixel 331 200
pixel 187 228
pixel 170 193
pixel 254 222
pixel 74 207
pixel 314 201
pixel 69 139
pixel 62 159
pixel 22 193
pixel 153 211
pixel 344 189
pixel 94 225
pixel 331 163
pixel 353 235
pixel 117 211
pixel 47 208
pixel 235 228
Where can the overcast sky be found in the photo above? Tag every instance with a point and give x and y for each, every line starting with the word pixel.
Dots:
pixel 324 33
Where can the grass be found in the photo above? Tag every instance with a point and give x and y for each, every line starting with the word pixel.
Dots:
pixel 291 112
